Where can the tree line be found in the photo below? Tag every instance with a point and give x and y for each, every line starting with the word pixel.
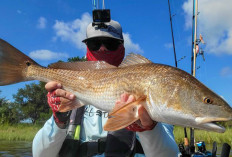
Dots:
pixel 29 104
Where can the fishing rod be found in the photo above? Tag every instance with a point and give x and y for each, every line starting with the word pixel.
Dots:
pixel 173 41
pixel 184 149
pixel 193 63
pixel 201 152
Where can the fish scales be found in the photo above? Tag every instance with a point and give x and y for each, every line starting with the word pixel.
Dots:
pixel 107 84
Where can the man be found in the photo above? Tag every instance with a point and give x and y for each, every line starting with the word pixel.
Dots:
pixel 104 43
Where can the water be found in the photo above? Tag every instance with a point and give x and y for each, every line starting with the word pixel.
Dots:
pixel 23 149
pixel 15 149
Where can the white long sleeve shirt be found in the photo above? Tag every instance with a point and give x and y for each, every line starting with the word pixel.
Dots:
pixel 158 142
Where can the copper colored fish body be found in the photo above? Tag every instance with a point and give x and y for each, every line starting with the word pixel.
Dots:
pixel 168 94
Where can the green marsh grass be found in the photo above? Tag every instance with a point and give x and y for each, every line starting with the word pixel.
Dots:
pixel 18 132
pixel 207 136
pixel 26 132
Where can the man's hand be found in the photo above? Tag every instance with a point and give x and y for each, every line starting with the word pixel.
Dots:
pixel 66 101
pixel 144 123
pixel 61 102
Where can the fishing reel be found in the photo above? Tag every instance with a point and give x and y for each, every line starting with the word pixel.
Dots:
pixel 201 146
pixel 100 16
pixel 202 152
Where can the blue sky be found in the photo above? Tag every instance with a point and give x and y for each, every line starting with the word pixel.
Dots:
pixel 52 30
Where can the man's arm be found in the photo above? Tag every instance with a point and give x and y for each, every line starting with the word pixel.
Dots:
pixel 48 140
pixel 159 141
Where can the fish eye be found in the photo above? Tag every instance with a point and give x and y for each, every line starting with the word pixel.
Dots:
pixel 208 101
pixel 28 63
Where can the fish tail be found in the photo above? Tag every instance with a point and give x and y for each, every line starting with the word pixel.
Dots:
pixel 13 64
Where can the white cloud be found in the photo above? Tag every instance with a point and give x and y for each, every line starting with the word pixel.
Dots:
pixel 130 46
pixel 41 23
pixel 226 72
pixel 75 31
pixel 47 55
pixel 214 24
pixel 168 45
pixel 19 11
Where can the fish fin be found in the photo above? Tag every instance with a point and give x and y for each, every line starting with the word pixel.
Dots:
pixel 82 66
pixel 124 116
pixel 133 59
pixel 13 64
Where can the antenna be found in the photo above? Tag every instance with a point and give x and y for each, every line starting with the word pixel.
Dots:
pixel 103 4
pixel 94 4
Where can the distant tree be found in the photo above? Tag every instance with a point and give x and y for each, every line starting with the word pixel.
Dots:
pixel 32 101
pixel 2 99
pixel 9 112
pixel 3 110
pixel 76 59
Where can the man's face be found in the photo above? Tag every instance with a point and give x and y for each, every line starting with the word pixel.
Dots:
pixel 109 50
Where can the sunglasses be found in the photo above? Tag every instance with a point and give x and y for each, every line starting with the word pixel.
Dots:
pixel 110 44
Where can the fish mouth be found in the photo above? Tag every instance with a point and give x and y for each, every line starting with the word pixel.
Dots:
pixel 214 126
pixel 201 120
pixel 212 123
